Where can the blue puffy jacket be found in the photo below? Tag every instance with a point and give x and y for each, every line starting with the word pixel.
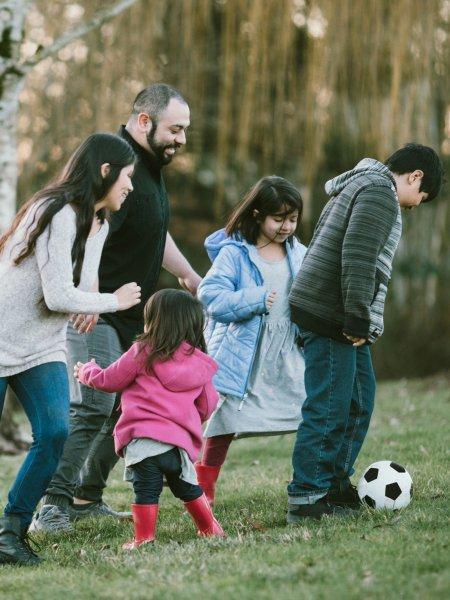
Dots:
pixel 234 294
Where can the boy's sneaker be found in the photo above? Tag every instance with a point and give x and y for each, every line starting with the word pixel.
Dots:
pixel 96 509
pixel 51 518
pixel 297 512
pixel 347 498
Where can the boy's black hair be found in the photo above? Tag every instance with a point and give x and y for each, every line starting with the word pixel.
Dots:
pixel 415 156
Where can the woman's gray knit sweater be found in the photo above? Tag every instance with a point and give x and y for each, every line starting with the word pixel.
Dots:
pixel 30 334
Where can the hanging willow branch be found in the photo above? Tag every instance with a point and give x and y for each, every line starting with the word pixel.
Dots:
pixel 80 30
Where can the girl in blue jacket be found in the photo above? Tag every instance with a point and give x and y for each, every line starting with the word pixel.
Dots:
pixel 250 334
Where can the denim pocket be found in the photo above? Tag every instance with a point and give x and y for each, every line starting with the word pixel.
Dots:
pixel 302 335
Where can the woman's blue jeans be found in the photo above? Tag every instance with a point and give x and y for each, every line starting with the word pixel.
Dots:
pixel 43 392
pixel 340 392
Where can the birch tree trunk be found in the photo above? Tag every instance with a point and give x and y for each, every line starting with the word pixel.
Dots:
pixel 12 21
pixel 13 70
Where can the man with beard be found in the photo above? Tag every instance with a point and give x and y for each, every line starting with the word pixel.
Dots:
pixel 138 245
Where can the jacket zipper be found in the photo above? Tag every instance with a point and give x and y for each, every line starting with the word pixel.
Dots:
pixel 245 395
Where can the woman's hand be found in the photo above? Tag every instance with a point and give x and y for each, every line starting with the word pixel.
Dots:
pixel 84 323
pixel 128 295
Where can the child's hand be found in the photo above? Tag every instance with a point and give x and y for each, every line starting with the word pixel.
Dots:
pixel 78 366
pixel 270 300
pixel 356 340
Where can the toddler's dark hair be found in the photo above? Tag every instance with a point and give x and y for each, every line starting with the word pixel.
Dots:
pixel 170 318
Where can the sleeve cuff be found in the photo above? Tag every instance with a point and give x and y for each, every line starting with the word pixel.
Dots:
pixel 114 302
pixel 356 327
pixel 80 377
pixel 82 371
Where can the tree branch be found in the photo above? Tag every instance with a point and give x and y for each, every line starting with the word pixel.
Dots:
pixel 6 65
pixel 97 20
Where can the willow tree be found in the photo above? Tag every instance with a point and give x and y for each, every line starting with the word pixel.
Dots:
pixel 302 88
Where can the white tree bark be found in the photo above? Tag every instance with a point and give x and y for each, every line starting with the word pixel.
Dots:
pixel 12 18
pixel 13 71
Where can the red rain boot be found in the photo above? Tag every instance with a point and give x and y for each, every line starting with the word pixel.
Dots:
pixel 207 477
pixel 144 519
pixel 203 517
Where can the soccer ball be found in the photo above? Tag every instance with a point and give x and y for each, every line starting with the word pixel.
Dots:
pixel 386 484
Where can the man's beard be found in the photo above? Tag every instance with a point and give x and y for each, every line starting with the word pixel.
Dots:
pixel 159 149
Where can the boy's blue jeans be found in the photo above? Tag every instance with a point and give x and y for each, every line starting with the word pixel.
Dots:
pixel 43 392
pixel 340 390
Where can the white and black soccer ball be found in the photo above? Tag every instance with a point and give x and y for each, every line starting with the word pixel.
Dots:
pixel 386 484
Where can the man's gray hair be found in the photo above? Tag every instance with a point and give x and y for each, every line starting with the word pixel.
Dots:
pixel 154 99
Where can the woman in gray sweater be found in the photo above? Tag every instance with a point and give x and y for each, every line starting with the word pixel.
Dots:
pixel 48 269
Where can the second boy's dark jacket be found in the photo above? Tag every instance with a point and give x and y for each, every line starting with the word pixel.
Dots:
pixel 343 281
pixel 134 249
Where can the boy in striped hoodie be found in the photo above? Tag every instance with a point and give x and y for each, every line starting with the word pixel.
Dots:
pixel 337 301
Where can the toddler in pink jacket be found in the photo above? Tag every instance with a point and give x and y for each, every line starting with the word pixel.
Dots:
pixel 167 393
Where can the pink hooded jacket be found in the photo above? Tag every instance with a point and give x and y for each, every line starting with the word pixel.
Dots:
pixel 167 404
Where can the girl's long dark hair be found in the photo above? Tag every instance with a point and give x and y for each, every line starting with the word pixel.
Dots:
pixel 270 195
pixel 80 184
pixel 170 318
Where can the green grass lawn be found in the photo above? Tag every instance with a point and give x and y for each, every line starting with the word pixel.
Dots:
pixel 401 554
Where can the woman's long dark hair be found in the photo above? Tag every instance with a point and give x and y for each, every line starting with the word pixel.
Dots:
pixel 80 184
pixel 270 195
pixel 170 318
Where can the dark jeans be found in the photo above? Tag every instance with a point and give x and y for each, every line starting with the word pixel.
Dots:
pixel 148 478
pixel 89 454
pixel 99 463
pixel 43 392
pixel 340 389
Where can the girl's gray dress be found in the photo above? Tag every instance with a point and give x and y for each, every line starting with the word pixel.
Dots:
pixel 275 392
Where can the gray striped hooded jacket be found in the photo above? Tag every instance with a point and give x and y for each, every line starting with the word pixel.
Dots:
pixel 342 284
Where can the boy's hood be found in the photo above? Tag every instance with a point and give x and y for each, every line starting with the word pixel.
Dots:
pixel 186 370
pixel 366 166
